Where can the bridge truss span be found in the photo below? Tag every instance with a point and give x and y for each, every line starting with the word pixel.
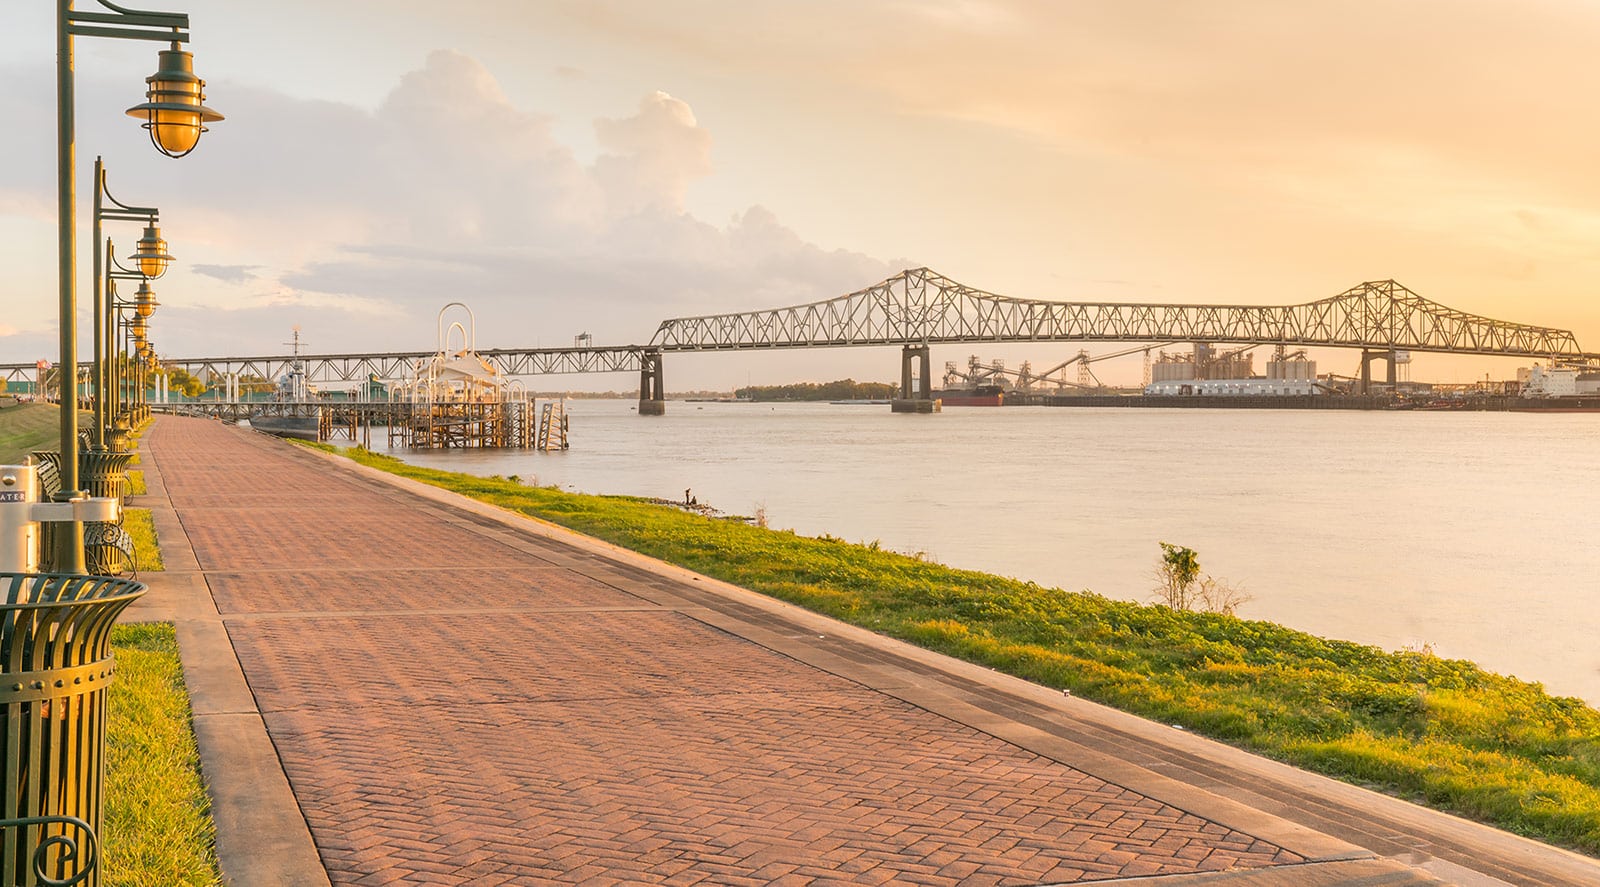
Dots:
pixel 334 368
pixel 920 307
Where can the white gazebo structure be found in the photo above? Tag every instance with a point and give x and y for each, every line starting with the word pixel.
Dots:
pixel 457 399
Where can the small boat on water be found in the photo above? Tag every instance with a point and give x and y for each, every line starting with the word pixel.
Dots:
pixel 291 413
pixel 298 427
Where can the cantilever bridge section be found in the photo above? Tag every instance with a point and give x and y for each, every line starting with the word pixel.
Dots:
pixel 918 308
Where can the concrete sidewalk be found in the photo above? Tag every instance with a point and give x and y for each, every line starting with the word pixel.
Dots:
pixel 392 684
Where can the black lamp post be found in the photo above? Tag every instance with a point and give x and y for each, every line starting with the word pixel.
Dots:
pixel 116 420
pixel 175 114
pixel 151 261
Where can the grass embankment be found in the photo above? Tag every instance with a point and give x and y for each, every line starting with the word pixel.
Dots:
pixel 137 521
pixel 26 427
pixel 1440 731
pixel 146 548
pixel 158 827
pixel 158 817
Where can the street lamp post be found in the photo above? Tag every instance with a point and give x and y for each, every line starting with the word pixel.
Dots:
pixel 143 305
pixel 152 261
pixel 175 115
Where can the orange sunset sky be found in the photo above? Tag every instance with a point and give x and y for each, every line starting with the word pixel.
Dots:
pixel 565 167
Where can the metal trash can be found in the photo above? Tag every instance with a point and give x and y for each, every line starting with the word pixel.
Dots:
pixel 101 473
pixel 104 473
pixel 55 666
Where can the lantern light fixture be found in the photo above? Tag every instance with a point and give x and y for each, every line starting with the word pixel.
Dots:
pixel 174 110
pixel 145 299
pixel 151 254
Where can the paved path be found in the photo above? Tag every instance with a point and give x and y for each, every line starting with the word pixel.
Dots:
pixel 394 686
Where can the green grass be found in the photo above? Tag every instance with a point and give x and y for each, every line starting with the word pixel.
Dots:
pixel 26 427
pixel 136 485
pixel 146 547
pixel 158 827
pixel 1441 731
pixel 157 817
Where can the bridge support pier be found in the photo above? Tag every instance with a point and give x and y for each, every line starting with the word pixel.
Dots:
pixel 913 399
pixel 652 391
pixel 1367 357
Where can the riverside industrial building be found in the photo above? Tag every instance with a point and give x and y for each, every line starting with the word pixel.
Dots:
pixel 1207 373
pixel 1231 374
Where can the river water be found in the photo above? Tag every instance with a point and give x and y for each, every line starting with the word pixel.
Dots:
pixel 1472 533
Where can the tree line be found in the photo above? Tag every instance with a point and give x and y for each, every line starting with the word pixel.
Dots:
pixel 843 389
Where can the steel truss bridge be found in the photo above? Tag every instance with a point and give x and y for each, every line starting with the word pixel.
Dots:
pixel 919 307
pixel 396 364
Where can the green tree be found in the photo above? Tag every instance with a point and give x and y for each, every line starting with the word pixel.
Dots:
pixel 1180 585
pixel 842 389
pixel 1177 574
pixel 183 382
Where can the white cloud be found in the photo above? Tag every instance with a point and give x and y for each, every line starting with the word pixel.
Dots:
pixel 357 225
pixel 227 273
pixel 652 157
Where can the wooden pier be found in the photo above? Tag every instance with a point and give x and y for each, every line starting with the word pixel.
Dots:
pixel 463 425
pixel 437 425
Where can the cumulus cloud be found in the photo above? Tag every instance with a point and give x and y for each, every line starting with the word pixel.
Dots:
pixel 365 222
pixel 227 273
pixel 653 156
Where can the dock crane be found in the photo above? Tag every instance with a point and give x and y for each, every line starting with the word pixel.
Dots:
pixel 1025 379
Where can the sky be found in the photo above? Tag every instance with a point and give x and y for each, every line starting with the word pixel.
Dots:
pixel 599 166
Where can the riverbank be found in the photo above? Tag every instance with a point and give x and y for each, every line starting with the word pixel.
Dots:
pixel 1440 731
pixel 1477 403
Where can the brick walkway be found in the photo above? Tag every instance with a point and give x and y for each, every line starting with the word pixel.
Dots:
pixel 455 704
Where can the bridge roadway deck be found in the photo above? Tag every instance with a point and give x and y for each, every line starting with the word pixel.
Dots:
pixel 395 685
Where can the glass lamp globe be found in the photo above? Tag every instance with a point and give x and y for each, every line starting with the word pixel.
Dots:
pixel 174 111
pixel 152 253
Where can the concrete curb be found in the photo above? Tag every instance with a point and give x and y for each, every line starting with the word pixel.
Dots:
pixel 262 836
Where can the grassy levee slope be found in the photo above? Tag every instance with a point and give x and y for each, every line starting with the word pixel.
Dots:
pixel 1441 731
pixel 26 427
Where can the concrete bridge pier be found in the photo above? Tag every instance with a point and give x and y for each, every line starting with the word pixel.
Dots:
pixel 1367 357
pixel 652 391
pixel 913 399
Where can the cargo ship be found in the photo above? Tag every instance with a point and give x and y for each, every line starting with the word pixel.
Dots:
pixel 976 396
pixel 1567 404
